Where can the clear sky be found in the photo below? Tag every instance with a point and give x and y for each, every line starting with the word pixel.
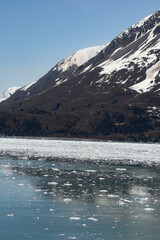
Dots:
pixel 36 34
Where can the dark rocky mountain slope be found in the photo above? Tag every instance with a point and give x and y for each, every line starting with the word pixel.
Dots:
pixel 108 92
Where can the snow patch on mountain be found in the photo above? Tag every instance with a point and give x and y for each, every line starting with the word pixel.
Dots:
pixel 78 58
pixel 10 91
pixel 149 82
pixel 27 86
pixel 145 57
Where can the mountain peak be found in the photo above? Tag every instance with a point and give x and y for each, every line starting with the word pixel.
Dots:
pixel 138 29
pixel 78 58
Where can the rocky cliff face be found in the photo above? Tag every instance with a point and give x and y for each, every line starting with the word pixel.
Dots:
pixel 111 91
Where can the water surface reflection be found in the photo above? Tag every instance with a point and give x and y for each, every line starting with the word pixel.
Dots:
pixel 75 200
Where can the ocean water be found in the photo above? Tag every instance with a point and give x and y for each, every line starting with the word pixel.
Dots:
pixel 60 189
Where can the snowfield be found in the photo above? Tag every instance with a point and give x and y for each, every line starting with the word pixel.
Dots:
pixel 112 152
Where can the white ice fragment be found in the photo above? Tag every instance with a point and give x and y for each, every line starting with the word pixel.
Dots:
pixel 67 200
pixel 103 191
pixel 149 209
pixel 84 225
pixel 121 169
pixel 75 218
pixel 55 169
pixel 91 171
pixel 113 196
pixel 52 183
pixel 51 210
pixel 121 202
pixel 10 215
pixel 101 178
pixel 139 192
pixel 143 200
pixel 93 219
pixel 67 184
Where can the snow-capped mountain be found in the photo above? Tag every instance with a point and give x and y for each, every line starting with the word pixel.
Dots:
pixel 135 50
pixel 78 58
pixel 60 72
pixel 10 91
pixel 111 91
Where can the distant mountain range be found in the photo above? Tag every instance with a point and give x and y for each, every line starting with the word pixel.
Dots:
pixel 106 92
pixel 10 91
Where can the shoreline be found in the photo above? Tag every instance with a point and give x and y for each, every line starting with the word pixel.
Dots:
pixel 79 139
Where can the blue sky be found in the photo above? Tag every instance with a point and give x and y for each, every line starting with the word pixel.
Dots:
pixel 36 34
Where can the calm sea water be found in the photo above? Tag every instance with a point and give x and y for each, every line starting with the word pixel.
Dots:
pixel 63 199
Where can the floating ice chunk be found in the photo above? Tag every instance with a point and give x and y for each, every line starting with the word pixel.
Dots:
pixel 139 191
pixel 51 210
pixel 121 169
pixel 112 196
pixel 101 178
pixel 143 200
pixel 55 169
pixel 121 202
pixel 103 191
pixel 84 225
pixel 126 200
pixel 52 183
pixel 75 218
pixel 93 219
pixel 67 184
pixel 91 171
pixel 67 200
pixel 149 209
